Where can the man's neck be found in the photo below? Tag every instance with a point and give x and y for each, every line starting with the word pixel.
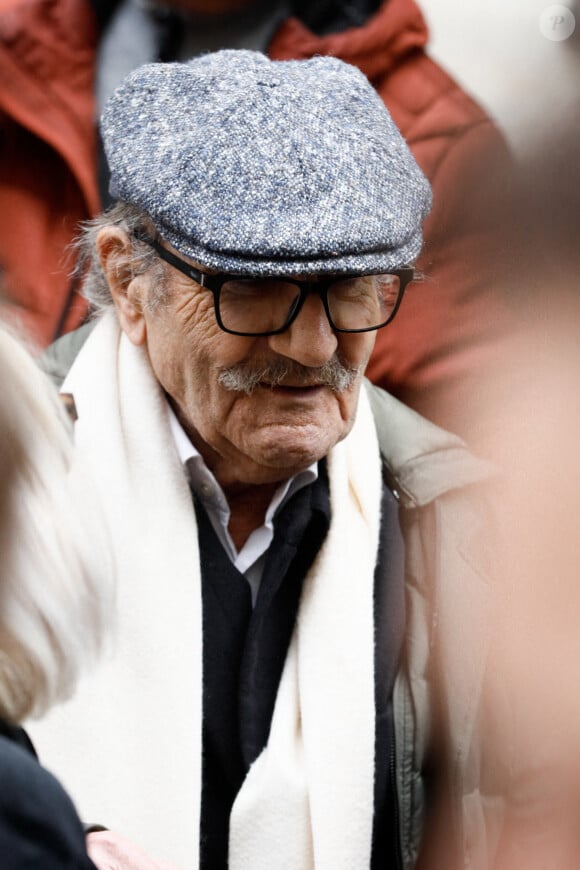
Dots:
pixel 248 503
pixel 248 506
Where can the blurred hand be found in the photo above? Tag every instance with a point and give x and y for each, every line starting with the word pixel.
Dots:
pixel 111 851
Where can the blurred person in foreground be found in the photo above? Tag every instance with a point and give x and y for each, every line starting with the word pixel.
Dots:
pixel 533 415
pixel 61 59
pixel 304 604
pixel 55 598
pixel 56 608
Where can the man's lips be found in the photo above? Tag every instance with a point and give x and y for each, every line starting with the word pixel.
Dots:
pixel 293 388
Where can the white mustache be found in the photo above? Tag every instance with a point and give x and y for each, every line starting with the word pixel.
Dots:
pixel 244 377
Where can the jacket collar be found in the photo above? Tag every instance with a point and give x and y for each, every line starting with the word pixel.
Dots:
pixel 395 30
pixel 422 460
pixel 333 16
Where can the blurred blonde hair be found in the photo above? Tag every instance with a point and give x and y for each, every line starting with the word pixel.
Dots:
pixel 56 571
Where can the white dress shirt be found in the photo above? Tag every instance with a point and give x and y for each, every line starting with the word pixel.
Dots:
pixel 250 559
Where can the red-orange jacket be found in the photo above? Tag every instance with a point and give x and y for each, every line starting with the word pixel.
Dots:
pixel 448 327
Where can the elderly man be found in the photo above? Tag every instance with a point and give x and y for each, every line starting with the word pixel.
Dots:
pixel 262 709
pixel 61 59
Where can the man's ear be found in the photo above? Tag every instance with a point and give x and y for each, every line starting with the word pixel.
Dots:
pixel 115 255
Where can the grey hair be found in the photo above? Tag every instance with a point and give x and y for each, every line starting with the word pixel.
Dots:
pixel 56 567
pixel 142 258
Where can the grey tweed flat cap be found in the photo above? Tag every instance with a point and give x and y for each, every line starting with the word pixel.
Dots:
pixel 264 167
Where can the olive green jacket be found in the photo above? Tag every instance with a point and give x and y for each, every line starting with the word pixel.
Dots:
pixel 447 518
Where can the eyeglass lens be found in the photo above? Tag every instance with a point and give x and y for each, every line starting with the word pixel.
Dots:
pixel 266 305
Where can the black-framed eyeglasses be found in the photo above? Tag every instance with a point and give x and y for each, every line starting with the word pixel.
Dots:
pixel 268 306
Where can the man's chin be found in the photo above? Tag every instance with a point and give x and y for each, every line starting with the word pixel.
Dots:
pixel 289 450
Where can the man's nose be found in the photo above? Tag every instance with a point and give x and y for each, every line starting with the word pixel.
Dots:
pixel 310 339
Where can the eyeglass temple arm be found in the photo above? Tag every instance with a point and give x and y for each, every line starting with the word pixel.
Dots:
pixel 170 258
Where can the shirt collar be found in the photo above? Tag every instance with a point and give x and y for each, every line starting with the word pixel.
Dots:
pixel 250 559
pixel 207 488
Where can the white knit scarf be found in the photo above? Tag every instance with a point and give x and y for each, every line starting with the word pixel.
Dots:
pixel 130 743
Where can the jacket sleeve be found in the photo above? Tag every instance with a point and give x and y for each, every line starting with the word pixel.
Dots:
pixel 39 826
